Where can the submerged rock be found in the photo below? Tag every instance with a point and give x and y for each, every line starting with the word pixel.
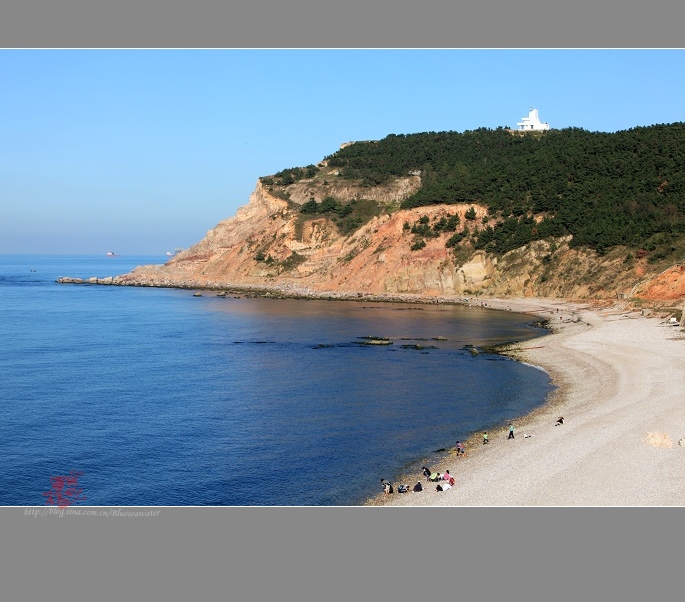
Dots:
pixel 419 347
pixel 374 341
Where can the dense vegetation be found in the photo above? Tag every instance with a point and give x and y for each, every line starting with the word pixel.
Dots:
pixel 605 189
pixel 423 229
pixel 285 177
pixel 347 217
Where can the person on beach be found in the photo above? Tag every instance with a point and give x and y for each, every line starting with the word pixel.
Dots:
pixel 460 449
pixel 559 421
pixel 443 487
pixel 435 477
pixel 387 487
pixel 417 487
pixel 431 476
pixel 485 437
pixel 511 431
pixel 448 477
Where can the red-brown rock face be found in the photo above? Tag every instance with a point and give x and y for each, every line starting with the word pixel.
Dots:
pixel 312 253
pixel 270 244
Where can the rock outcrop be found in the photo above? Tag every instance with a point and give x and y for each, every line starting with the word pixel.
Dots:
pixel 270 244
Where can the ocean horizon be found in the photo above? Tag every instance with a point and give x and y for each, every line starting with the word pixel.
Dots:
pixel 151 396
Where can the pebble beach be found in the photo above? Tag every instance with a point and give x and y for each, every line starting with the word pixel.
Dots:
pixel 620 386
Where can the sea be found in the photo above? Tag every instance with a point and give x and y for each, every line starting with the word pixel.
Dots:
pixel 137 396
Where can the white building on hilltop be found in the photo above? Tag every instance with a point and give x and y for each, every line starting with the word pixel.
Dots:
pixel 532 122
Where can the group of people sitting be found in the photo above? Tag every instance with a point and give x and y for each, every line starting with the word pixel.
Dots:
pixel 402 488
pixel 444 482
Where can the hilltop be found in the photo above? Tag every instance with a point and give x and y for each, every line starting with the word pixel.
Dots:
pixel 560 213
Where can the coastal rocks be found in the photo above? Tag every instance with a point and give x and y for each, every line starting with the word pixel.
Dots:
pixel 371 340
pixel 91 280
pixel 418 347
pixel 669 285
pixel 476 272
pixel 264 214
pixel 267 244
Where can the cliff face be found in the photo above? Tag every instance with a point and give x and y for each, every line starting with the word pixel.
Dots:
pixel 269 243
pixel 312 253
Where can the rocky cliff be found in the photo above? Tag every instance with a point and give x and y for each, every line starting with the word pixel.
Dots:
pixel 271 244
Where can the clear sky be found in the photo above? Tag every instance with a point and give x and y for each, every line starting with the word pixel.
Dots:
pixel 143 151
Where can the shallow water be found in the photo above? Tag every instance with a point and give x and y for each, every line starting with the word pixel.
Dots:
pixel 156 397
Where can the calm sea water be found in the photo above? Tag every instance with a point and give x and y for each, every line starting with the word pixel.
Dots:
pixel 156 397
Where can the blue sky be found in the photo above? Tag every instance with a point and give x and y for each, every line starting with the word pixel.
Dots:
pixel 143 151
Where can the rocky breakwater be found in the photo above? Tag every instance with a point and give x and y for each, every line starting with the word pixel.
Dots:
pixel 91 280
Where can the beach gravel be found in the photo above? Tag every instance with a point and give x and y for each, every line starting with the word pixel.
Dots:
pixel 620 380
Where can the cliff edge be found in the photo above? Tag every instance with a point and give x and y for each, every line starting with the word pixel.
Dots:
pixel 366 244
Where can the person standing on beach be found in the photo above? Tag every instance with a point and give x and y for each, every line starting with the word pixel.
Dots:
pixel 511 431
pixel 485 437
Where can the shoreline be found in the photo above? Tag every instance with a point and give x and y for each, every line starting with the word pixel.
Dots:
pixel 275 291
pixel 619 378
pixel 544 310
pixel 618 375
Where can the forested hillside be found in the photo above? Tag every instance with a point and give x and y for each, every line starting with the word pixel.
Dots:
pixel 604 189
pixel 555 214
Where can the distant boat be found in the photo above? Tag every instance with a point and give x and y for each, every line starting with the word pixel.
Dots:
pixel 169 254
pixel 111 254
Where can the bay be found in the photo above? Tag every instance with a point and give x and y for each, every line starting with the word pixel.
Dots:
pixel 156 397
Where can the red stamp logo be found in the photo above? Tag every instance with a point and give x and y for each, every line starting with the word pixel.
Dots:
pixel 65 490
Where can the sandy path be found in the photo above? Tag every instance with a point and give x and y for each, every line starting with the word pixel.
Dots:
pixel 621 380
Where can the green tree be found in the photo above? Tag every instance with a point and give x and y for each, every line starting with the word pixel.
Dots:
pixel 329 204
pixel 311 206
